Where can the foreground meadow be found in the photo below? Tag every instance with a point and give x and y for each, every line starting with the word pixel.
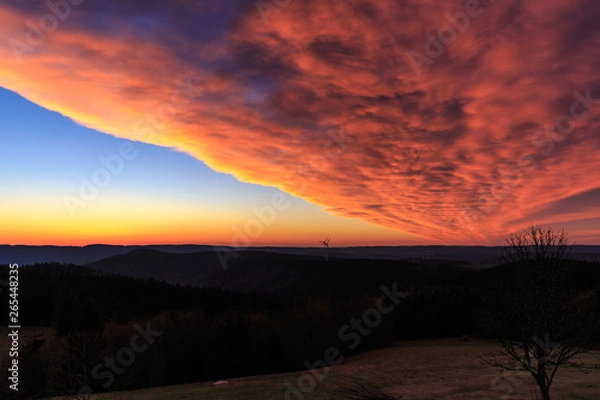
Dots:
pixel 425 369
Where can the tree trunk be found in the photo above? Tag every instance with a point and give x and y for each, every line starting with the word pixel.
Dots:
pixel 544 389
pixel 545 393
pixel 540 379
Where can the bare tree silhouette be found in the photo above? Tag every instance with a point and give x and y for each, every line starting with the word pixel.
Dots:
pixel 77 355
pixel 538 321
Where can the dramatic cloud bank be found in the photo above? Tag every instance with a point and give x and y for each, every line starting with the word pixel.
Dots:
pixel 458 121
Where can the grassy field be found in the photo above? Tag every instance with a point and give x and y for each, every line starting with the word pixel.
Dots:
pixel 433 369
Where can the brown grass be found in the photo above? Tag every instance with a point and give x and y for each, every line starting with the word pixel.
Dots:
pixel 430 369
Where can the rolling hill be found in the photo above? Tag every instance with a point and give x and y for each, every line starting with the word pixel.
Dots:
pixel 263 271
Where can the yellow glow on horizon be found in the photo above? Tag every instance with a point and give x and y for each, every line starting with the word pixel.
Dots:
pixel 131 221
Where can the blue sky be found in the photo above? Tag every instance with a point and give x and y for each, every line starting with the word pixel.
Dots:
pixel 44 154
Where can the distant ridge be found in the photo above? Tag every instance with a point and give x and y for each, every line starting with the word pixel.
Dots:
pixel 273 272
pixel 481 256
pixel 81 255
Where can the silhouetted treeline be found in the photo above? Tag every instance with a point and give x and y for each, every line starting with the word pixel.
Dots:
pixel 210 334
pixel 73 298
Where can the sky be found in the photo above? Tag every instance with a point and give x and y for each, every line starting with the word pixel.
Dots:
pixel 283 122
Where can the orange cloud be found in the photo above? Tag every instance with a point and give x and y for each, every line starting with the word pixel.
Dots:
pixel 323 100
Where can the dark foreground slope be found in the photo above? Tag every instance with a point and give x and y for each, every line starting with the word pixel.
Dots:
pixel 416 370
pixel 307 306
